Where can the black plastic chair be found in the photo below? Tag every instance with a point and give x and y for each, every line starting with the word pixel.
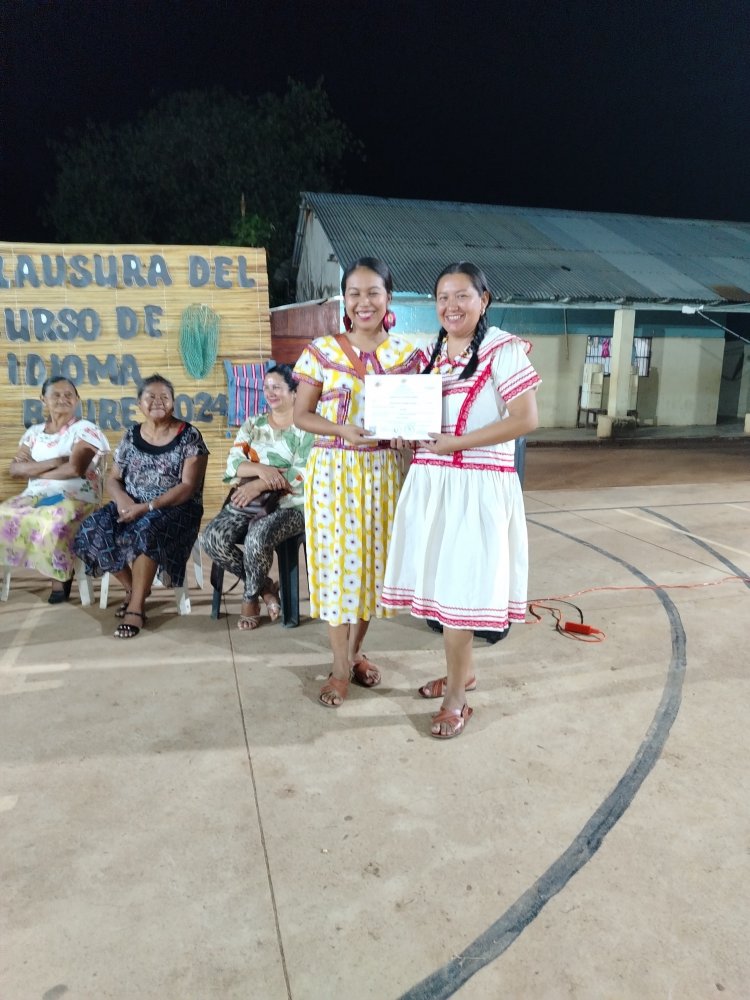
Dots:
pixel 287 554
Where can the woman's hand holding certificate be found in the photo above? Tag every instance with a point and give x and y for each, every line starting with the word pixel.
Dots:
pixel 403 406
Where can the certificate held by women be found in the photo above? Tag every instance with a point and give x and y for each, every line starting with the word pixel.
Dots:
pixel 406 406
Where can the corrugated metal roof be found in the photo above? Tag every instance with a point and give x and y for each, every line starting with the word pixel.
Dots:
pixel 541 255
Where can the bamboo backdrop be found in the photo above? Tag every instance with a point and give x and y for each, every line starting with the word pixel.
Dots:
pixel 244 337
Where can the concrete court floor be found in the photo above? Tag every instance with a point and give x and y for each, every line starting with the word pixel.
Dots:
pixel 181 821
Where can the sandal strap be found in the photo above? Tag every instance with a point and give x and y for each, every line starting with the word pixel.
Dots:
pixel 436 688
pixel 335 686
pixel 362 671
pixel 456 718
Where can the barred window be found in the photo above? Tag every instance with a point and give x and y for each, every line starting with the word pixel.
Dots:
pixel 642 355
pixel 598 351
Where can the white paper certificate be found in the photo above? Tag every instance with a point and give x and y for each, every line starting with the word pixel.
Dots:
pixel 406 406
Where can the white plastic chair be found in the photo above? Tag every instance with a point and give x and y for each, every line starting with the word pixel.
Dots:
pixel 181 594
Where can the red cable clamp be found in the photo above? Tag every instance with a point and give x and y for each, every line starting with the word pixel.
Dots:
pixel 580 627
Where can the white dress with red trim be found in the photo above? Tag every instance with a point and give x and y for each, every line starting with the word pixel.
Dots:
pixel 459 548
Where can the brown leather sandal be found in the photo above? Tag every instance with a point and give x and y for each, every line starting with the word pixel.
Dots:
pixel 336 689
pixel 455 718
pixel 365 673
pixel 436 688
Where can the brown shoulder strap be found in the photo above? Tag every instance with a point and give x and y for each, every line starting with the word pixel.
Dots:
pixel 357 363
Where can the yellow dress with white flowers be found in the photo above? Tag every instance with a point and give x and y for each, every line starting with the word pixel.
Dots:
pixel 350 492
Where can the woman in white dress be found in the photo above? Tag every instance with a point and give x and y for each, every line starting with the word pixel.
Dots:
pixel 59 461
pixel 459 552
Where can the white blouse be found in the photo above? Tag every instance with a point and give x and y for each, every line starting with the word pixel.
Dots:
pixel 44 446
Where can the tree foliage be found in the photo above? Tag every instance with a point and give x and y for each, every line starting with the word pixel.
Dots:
pixel 178 173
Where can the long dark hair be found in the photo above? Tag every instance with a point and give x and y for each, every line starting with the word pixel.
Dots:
pixel 372 264
pixel 478 279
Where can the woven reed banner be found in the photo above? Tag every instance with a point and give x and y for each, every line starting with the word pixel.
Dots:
pixel 107 316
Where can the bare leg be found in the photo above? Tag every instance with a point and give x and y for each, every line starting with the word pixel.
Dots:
pixel 338 636
pixel 249 615
pixel 364 671
pixel 458 654
pixel 270 594
pixel 143 572
pixel 357 635
pixel 125 577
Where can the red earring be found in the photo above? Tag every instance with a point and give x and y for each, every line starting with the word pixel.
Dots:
pixel 389 320
pixel 347 323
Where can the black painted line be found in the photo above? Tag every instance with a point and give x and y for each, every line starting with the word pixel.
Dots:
pixel 446 981
pixel 632 506
pixel 736 571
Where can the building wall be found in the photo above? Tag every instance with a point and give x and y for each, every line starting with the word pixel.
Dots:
pixel 681 389
pixel 292 327
pixel 318 276
pixel 688 373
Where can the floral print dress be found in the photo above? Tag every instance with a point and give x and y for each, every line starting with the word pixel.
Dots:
pixel 39 536
pixel 350 492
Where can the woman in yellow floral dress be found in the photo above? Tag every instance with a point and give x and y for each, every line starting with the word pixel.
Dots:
pixel 352 481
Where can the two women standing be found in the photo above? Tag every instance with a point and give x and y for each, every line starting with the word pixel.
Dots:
pixel 455 541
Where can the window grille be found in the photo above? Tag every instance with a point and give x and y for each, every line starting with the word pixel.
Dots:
pixel 598 351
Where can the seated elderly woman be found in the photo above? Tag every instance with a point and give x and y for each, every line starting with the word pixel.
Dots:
pixel 152 523
pixel 272 452
pixel 60 460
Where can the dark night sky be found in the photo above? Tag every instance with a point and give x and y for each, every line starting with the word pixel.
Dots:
pixel 632 107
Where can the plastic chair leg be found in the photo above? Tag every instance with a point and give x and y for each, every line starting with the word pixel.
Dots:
pixel 287 554
pixel 85 590
pixel 104 591
pixel 217 582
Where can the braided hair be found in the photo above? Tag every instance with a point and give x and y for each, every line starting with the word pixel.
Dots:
pixel 479 281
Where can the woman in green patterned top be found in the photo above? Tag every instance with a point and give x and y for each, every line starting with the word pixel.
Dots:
pixel 270 448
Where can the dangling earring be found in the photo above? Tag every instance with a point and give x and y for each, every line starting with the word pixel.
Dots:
pixel 347 323
pixel 389 320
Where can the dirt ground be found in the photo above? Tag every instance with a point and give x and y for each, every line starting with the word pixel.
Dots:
pixel 575 467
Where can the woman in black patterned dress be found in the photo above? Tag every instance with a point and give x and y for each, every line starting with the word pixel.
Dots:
pixel 153 520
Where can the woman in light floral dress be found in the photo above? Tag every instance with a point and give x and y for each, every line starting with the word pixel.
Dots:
pixel 60 461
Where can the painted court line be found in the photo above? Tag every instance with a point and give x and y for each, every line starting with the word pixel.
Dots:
pixel 446 981
pixel 709 543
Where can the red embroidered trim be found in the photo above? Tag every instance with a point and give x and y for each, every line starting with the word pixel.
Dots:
pixel 453 614
pixel 301 377
pixel 447 463
pixel 523 387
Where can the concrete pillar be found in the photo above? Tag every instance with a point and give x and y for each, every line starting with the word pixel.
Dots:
pixel 604 426
pixel 623 332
